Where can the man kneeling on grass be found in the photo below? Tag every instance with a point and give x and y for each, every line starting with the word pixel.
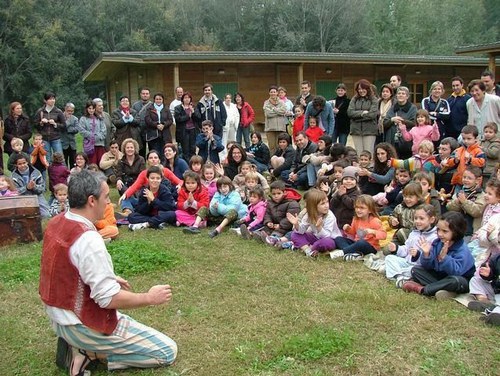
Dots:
pixel 81 292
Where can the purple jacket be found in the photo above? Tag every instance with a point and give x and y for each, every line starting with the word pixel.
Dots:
pixel 58 173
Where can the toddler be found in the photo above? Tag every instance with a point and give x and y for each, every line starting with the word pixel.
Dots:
pixel 256 211
pixel 60 204
pixel 402 218
pixel 17 148
pixel 490 144
pixel 313 131
pixel 7 187
pixel 209 178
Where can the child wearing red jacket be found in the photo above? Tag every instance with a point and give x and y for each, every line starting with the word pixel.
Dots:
pixel 298 123
pixel 192 203
pixel 314 132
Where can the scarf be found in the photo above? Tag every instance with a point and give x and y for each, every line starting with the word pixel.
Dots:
pixel 125 110
pixel 158 111
pixel 405 108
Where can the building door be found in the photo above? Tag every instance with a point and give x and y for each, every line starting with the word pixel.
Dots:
pixel 223 88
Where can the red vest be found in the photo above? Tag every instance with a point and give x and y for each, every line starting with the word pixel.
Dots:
pixel 60 282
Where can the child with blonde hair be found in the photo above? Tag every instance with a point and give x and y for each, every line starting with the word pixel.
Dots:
pixel 363 234
pixel 16 145
pixel 422 160
pixel 209 178
pixel 7 187
pixel 60 204
pixel 315 231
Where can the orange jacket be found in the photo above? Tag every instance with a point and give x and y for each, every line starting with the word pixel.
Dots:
pixel 477 158
pixel 109 218
pixel 372 223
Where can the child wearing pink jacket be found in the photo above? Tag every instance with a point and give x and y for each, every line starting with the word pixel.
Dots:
pixel 423 130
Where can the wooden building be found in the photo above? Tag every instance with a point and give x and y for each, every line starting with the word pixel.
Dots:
pixel 251 73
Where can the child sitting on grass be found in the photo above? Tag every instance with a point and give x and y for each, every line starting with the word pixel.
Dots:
pixel 402 216
pixel 239 181
pixel 393 192
pixel 254 220
pixel 364 234
pixel 423 160
pixel 315 231
pixel 342 202
pixel 225 204
pixel 192 203
pixel 276 223
pixel 446 264
pixel 398 266
pixel 7 186
pixel 196 164
pixel 429 194
pixel 209 178
pixel 17 148
pixel 468 199
pixel 60 204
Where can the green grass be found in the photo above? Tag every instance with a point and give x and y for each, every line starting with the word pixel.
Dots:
pixel 240 308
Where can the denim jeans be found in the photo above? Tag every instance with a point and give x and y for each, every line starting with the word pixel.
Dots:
pixel 54 145
pixel 342 138
pixel 312 174
pixel 245 132
pixel 350 246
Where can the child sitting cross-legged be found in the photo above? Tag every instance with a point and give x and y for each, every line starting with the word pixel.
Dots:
pixel 446 264
pixel 225 204
pixel 402 216
pixel 254 220
pixel 363 235
pixel 398 266
pixel 192 203
pixel 315 231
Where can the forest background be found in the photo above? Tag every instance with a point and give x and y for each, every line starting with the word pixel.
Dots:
pixel 47 45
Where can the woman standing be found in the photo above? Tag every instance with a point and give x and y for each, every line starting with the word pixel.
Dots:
pixel 173 162
pixel 437 107
pixel 384 104
pixel 93 130
pixel 482 107
pixel 401 112
pixel 362 111
pixel 276 121
pixel 158 121
pixel 247 116
pixel 17 125
pixel 232 121
pixel 342 122
pixel 186 126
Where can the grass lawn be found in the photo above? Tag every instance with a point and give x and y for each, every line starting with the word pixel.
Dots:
pixel 241 308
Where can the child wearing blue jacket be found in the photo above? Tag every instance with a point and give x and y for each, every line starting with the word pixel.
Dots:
pixel 447 264
pixel 226 203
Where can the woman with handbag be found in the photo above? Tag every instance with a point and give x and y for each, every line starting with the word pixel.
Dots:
pixel 158 122
pixel 401 112
pixel 93 130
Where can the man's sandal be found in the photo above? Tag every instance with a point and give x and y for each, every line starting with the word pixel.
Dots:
pixel 65 356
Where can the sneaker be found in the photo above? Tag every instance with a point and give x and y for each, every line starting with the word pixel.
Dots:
pixel 445 295
pixel 107 240
pixel 287 245
pixel 480 306
pixel 369 261
pixel 271 240
pixel 162 226
pixel 353 257
pixel 338 253
pixel 245 233
pixel 492 318
pixel 213 233
pixel 138 226
pixel 310 252
pixel 412 286
pixel 191 230
pixel 400 281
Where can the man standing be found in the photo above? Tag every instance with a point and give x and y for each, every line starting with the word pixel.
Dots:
pixel 488 78
pixel 110 127
pixel 140 108
pixel 323 110
pixel 305 94
pixel 81 292
pixel 395 82
pixel 211 108
pixel 458 108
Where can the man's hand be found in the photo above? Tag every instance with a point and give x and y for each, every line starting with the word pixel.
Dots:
pixel 159 294
pixel 123 283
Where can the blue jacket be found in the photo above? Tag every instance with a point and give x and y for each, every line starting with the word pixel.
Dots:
pixel 326 116
pixel 458 261
pixel 209 151
pixel 164 201
pixel 458 114
pixel 225 203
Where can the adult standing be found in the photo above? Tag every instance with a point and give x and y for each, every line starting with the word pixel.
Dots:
pixel 458 108
pixel 305 94
pixel 342 122
pixel 49 120
pixel 158 121
pixel 126 121
pixel 185 127
pixel 363 111
pixel 384 104
pixel 16 125
pixel 82 293
pixel 437 107
pixel 323 110
pixel 108 122
pixel 93 131
pixel 395 82
pixel 211 108
pixel 401 112
pixel 68 141
pixel 488 79
pixel 275 119
pixel 482 107
pixel 247 116
pixel 141 107
pixel 232 122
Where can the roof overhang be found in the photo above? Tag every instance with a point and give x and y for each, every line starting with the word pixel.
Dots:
pixel 490 48
pixel 106 64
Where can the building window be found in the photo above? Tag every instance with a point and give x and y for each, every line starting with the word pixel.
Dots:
pixel 417 91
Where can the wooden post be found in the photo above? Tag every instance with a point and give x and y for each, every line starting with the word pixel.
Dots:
pixel 491 64
pixel 300 73
pixel 176 76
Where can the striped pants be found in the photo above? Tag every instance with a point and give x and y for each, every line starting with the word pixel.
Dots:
pixel 132 344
